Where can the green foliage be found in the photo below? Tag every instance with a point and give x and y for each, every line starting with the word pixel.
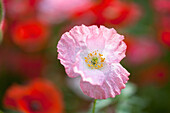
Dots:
pixel 145 24
pixel 1 10
pixel 129 102
pixel 126 102
pixel 6 80
pixel 10 111
pixel 158 98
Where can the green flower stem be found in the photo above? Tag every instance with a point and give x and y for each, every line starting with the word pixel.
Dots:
pixel 94 105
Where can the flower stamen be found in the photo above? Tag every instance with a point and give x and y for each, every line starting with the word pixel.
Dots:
pixel 95 60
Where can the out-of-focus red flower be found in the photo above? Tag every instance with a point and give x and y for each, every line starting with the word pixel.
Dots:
pixel 164 36
pixel 30 35
pixel 142 50
pixel 12 96
pixel 19 8
pixel 157 74
pixel 55 11
pixel 164 30
pixel 39 96
pixel 163 22
pixel 29 66
pixel 112 12
pixel 2 25
pixel 162 6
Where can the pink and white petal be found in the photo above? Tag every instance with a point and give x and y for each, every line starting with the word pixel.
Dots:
pixel 118 68
pixel 79 34
pixel 107 33
pixel 115 48
pixel 115 79
pixel 69 45
pixel 67 52
pixel 95 40
pixel 93 76
pixel 115 54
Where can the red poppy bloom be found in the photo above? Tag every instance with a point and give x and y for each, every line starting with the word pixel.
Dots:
pixel 55 11
pixel 39 96
pixel 157 74
pixel 19 8
pixel 30 35
pixel 165 37
pixel 2 25
pixel 163 22
pixel 164 30
pixel 161 6
pixel 112 12
pixel 142 50
pixel 12 96
pixel 28 66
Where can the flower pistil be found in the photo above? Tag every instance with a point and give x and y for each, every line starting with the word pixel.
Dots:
pixel 95 60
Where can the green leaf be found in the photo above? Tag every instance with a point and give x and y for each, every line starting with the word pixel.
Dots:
pixel 130 90
pixel 129 102
pixel 10 111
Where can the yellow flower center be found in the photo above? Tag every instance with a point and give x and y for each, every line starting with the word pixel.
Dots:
pixel 95 60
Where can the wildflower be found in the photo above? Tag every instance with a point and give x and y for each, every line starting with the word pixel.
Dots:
pixel 94 54
pixel 164 35
pixel 157 74
pixel 163 23
pixel 39 96
pixel 164 30
pixel 161 6
pixel 55 11
pixel 19 8
pixel 27 66
pixel 112 13
pixel 142 50
pixel 30 35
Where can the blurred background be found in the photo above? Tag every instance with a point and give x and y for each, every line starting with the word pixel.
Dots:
pixel 32 80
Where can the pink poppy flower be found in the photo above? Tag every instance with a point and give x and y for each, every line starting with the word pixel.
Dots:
pixel 94 54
